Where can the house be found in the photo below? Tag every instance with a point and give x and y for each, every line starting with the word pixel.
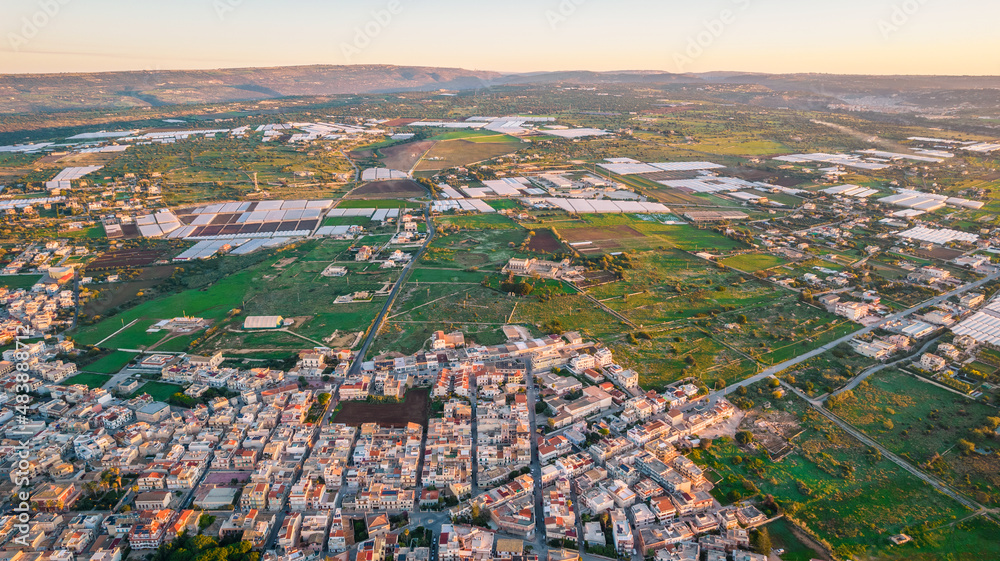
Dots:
pixel 971 299
pixel 932 363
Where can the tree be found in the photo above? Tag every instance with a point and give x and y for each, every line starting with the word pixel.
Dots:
pixel 966 447
pixel 744 437
pixel 761 541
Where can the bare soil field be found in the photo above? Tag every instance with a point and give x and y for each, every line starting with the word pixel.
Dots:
pixel 397 188
pixel 125 258
pixel 414 410
pixel 404 156
pixel 545 242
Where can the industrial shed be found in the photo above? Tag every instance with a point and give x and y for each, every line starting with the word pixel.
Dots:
pixel 263 322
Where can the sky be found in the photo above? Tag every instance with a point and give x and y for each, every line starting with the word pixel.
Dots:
pixel 954 37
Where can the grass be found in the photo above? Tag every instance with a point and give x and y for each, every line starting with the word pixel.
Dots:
pixel 452 153
pixel 923 423
pixel 88 379
pixel 111 363
pixel 159 391
pixel 852 498
pixel 783 536
pixel 504 204
pixel 753 262
pixel 478 221
pixel 422 309
pixel 13 282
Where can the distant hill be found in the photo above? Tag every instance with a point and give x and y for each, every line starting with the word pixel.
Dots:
pixel 54 92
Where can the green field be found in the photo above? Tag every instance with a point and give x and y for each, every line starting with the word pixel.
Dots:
pixel 752 263
pixel 110 363
pixel 88 379
pixel 13 282
pixel 837 487
pixel 159 391
pixel 923 423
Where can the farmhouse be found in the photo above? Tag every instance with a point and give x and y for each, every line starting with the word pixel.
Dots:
pixel 562 270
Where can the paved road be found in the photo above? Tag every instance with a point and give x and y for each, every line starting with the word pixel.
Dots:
pixel 474 396
pixel 830 346
pixel 536 465
pixel 874 369
pixel 373 332
pixel 932 481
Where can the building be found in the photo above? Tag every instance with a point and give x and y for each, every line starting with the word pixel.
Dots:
pixel 263 322
pixel 153 500
pixel 932 363
pixel 154 412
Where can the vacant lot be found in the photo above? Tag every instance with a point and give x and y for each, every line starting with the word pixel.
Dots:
pixel 13 282
pixel 924 423
pixel 753 262
pixel 840 489
pixel 453 153
pixel 397 188
pixel 403 156
pixel 414 410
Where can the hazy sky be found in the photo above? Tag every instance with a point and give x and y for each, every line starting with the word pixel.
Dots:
pixel 837 36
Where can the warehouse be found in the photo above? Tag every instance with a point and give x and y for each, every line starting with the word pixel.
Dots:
pixel 263 322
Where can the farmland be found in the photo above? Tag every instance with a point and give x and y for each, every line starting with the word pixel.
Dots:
pixel 398 188
pixel 461 152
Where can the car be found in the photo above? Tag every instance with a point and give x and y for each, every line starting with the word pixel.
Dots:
pixel 779 551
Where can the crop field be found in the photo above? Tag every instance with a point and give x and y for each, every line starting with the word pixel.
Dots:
pixel 110 363
pixel 414 409
pixel 88 379
pixel 616 232
pixel 840 489
pixel 377 203
pixel 399 188
pixel 453 153
pixel 346 221
pixel 403 156
pixel 125 258
pixel 924 423
pixel 477 221
pixel 544 241
pixel 753 262
pixel 503 204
